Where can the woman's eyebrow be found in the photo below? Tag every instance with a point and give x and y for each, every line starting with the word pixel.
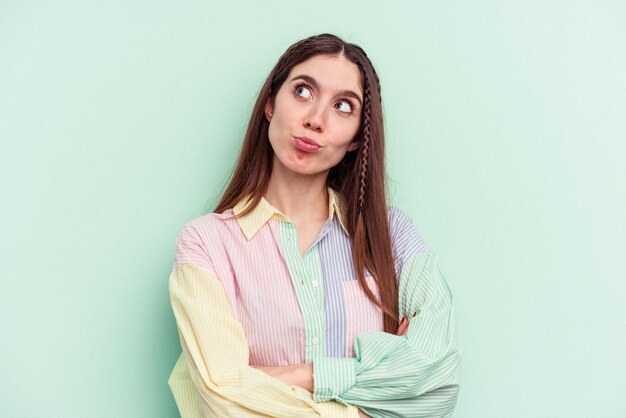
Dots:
pixel 312 81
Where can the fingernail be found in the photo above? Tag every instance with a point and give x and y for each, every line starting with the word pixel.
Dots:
pixel 403 320
pixel 415 313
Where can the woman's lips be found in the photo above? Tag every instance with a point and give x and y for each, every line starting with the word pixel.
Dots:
pixel 305 146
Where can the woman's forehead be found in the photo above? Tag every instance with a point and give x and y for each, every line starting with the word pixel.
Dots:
pixel 333 73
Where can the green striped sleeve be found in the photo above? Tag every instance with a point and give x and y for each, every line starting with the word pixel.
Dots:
pixel 417 375
pixel 333 375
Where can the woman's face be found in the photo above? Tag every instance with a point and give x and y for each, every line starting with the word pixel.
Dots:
pixel 321 100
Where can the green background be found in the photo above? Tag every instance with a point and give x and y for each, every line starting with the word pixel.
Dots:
pixel 506 130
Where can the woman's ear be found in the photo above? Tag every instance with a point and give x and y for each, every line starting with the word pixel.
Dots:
pixel 268 109
pixel 353 145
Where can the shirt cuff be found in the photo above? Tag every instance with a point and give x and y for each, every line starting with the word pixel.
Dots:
pixel 332 376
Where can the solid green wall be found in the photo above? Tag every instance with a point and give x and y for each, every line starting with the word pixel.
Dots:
pixel 506 136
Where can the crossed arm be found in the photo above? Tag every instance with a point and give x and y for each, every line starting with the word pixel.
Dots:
pixel 302 374
pixel 416 374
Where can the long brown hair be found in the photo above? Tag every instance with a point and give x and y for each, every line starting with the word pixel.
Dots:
pixel 360 177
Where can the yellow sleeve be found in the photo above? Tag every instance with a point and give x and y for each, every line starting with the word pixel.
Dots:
pixel 212 377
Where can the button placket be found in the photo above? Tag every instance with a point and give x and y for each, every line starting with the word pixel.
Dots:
pixel 293 248
pixel 306 273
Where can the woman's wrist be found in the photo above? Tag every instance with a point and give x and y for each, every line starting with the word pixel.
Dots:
pixel 306 376
pixel 299 375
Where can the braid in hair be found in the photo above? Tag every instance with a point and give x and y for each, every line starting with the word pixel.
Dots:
pixel 366 141
pixel 366 130
pixel 362 247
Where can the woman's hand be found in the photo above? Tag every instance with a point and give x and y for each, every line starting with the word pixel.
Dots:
pixel 363 414
pixel 404 326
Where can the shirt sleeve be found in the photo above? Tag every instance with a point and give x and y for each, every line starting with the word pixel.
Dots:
pixel 213 376
pixel 417 375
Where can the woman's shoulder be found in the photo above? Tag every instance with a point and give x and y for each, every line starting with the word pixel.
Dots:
pixel 208 226
pixel 201 239
pixel 405 238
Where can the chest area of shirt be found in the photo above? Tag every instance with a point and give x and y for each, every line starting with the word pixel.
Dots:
pixel 296 304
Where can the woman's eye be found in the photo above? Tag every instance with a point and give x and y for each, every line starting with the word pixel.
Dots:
pixel 347 108
pixel 301 88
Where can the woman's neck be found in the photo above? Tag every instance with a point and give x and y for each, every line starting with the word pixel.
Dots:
pixel 302 198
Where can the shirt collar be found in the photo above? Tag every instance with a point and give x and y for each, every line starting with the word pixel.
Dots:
pixel 264 211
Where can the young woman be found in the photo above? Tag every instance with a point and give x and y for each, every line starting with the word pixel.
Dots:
pixel 288 297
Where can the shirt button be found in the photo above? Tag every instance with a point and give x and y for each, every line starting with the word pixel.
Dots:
pixel 315 341
pixel 314 283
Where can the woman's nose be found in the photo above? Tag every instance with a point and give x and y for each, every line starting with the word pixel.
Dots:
pixel 315 119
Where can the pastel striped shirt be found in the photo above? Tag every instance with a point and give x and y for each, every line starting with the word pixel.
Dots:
pixel 242 295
